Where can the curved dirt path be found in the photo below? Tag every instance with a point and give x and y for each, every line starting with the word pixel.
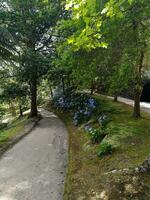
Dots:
pixel 34 169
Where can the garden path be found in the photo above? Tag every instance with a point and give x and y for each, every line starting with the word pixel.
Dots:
pixel 35 168
pixel 144 105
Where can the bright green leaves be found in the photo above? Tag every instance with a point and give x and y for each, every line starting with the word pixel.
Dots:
pixel 114 8
pixel 89 36
pixel 81 8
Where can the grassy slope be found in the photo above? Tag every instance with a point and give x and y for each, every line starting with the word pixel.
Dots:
pixel 131 138
pixel 12 130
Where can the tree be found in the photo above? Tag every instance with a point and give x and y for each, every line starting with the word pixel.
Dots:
pixel 15 92
pixel 32 24
pixel 7 43
pixel 133 23
pixel 109 25
pixel 88 15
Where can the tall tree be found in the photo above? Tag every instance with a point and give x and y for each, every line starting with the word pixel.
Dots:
pixel 7 43
pixel 134 22
pixel 100 28
pixel 32 25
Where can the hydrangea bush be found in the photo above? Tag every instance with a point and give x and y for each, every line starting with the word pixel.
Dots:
pixel 83 107
pixel 103 120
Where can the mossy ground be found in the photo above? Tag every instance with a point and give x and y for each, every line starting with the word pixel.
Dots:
pixel 131 139
pixel 14 128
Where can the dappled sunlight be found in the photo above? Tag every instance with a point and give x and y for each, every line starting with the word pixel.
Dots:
pixel 6 198
pixel 104 195
pixel 10 191
pixel 46 113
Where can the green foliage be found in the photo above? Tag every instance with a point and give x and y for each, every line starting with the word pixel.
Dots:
pixel 97 135
pixel 103 120
pixel 104 149
pixel 13 91
pixel 2 112
pixel 31 23
pixel 88 36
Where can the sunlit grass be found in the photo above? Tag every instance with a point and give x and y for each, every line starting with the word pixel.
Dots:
pixel 12 129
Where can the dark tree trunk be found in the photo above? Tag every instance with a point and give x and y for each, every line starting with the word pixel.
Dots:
pixel 137 110
pixel 138 88
pixel 92 88
pixel 51 91
pixel 33 90
pixel 92 91
pixel 20 111
pixel 63 84
pixel 116 98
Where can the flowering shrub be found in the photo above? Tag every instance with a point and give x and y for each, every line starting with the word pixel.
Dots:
pixel 97 135
pixel 71 100
pixel 80 103
pixel 88 128
pixel 91 103
pixel 84 109
pixel 103 120
pixel 81 116
pixel 104 149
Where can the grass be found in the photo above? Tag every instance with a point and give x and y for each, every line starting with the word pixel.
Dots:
pixel 16 127
pixel 131 139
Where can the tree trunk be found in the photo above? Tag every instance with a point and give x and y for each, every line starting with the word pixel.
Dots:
pixel 116 98
pixel 138 87
pixel 63 85
pixel 92 91
pixel 12 108
pixel 20 111
pixel 51 91
pixel 137 97
pixel 33 90
pixel 92 88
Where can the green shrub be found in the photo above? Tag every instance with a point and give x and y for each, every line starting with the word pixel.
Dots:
pixel 3 125
pixel 97 135
pixel 104 149
pixel 103 120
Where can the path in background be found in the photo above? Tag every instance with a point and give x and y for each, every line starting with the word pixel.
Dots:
pixel 145 106
pixel 34 169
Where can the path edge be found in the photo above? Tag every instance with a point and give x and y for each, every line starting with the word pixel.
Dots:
pixel 29 128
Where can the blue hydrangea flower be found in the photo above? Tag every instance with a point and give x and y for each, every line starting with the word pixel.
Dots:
pixel 91 103
pixel 87 113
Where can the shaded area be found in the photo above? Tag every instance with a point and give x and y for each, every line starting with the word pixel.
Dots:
pixel 145 97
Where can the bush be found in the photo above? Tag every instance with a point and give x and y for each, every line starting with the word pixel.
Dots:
pixel 104 149
pixel 71 100
pixel 103 120
pixel 88 128
pixel 81 116
pixel 97 135
pixel 3 125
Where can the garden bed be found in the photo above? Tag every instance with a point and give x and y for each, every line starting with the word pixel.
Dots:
pixel 88 176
